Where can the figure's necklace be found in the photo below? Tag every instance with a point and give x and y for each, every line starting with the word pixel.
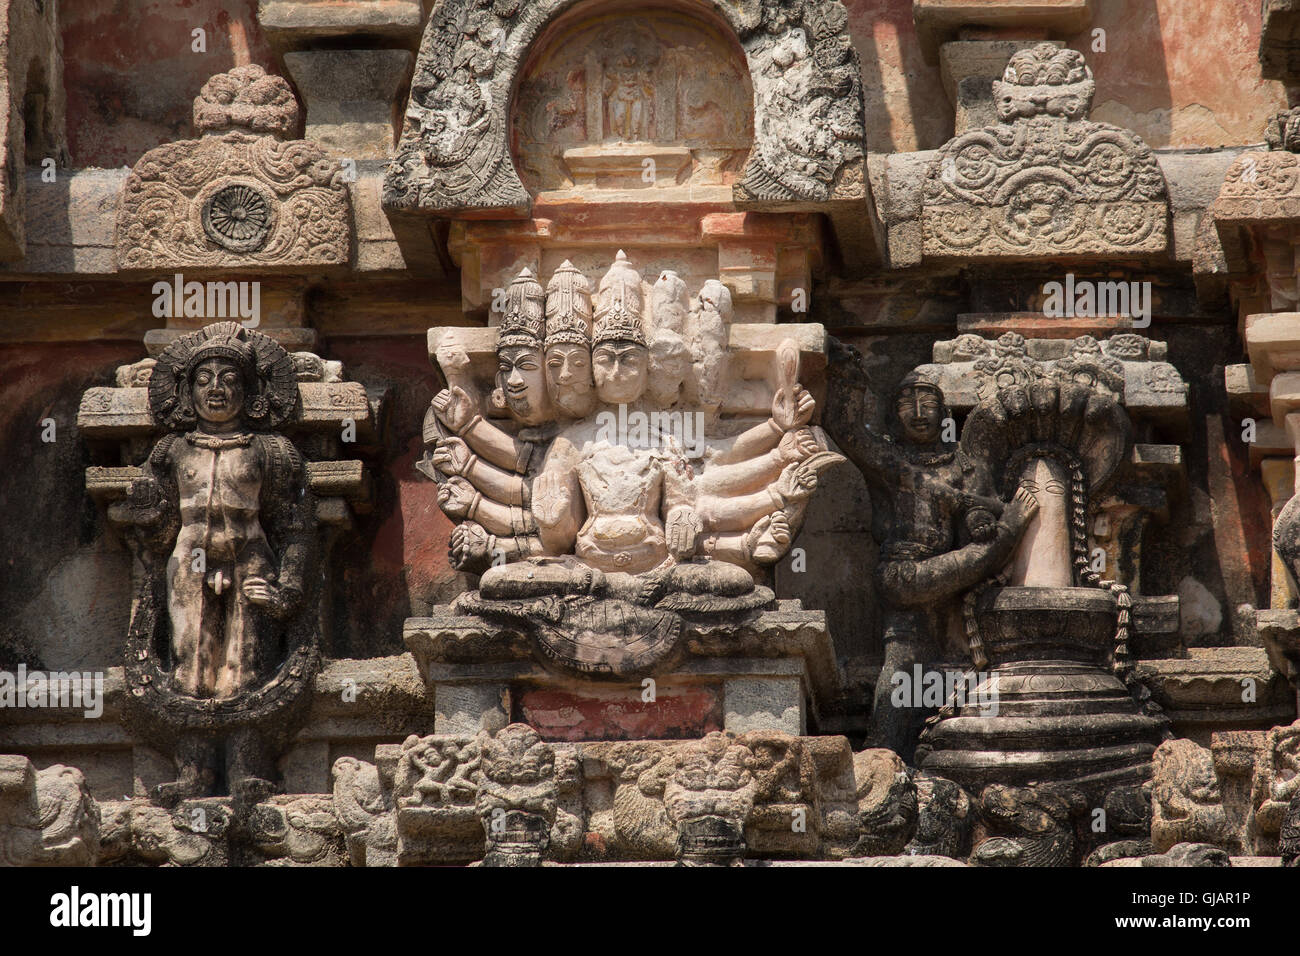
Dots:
pixel 928 456
pixel 219 442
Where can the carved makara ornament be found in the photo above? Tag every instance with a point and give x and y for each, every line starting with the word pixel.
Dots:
pixel 809 126
pixel 1045 180
pixel 241 194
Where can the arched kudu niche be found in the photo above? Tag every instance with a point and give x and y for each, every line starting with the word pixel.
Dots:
pixel 605 89
pixel 808 147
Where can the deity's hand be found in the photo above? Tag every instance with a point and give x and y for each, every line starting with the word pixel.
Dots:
pixel 453 357
pixel 792 407
pixel 550 499
pixel 796 483
pixel 799 444
pixel 470 544
pixel 143 503
pixel 278 601
pixel 769 538
pixel 1019 511
pixel 454 408
pixel 452 456
pixel 682 528
pixel 456 497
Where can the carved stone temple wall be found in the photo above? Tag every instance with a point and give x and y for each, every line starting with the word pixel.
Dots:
pixel 710 433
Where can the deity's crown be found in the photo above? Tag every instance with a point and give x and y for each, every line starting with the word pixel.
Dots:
pixel 226 340
pixel 524 322
pixel 568 307
pixel 924 381
pixel 618 305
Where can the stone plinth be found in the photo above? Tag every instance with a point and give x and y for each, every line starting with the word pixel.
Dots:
pixel 1047 709
pixel 1218 688
pixel 774 672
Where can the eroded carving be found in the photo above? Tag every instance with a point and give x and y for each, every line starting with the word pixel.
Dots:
pixel 1187 801
pixel 597 535
pixel 1031 826
pixel 709 798
pixel 47 817
pixel 516 800
pixel 809 132
pixel 242 194
pixel 1045 180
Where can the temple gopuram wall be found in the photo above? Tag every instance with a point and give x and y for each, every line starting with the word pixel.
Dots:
pixel 711 432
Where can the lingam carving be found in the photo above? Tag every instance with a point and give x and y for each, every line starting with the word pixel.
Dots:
pixel 940 536
pixel 1058 434
pixel 1045 180
pixel 597 533
pixel 995 525
pixel 241 194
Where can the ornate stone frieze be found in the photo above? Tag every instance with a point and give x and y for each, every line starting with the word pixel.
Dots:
pixel 809 132
pixel 243 195
pixel 1046 180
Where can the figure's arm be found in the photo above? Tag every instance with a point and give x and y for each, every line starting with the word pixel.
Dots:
pixel 754 473
pixel 150 513
pixel 742 512
pixel 473 548
pixel 558 507
pixel 757 441
pixel 452 456
pixel 457 411
pixel 460 501
pixel 286 513
pixel 916 583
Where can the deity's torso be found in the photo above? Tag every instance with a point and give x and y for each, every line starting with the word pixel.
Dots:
pixel 623 492
pixel 219 481
pixel 924 506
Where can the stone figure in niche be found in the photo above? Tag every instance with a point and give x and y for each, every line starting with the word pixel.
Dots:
pixel 629 94
pixel 221 514
pixel 939 537
pixel 604 513
pixel 629 511
pixel 221 492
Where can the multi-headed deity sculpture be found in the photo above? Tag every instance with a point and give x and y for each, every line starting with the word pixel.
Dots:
pixel 617 496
